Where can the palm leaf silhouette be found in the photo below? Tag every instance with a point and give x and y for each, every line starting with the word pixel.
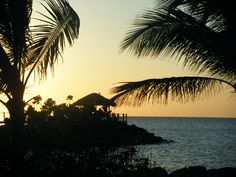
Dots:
pixel 51 36
pixel 199 33
pixel 175 33
pixel 181 89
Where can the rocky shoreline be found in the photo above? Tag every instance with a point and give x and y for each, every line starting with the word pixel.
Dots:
pixel 133 135
pixel 140 136
pixel 192 171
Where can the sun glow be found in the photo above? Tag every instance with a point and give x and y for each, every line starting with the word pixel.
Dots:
pixel 94 63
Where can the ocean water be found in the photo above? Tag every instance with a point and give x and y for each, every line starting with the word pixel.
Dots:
pixel 209 142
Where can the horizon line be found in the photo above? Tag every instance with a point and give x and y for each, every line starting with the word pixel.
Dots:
pixel 200 117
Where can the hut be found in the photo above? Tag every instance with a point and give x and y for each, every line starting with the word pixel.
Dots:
pixel 95 99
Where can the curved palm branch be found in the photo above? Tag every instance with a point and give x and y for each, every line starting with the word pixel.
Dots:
pixel 4 89
pixel 181 89
pixel 49 38
pixel 176 33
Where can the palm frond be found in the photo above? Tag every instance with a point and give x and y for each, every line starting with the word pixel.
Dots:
pixel 155 30
pixel 4 88
pixel 60 26
pixel 5 64
pixel 205 10
pixel 178 34
pixel 181 89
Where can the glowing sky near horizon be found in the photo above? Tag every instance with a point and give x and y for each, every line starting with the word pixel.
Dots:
pixel 94 63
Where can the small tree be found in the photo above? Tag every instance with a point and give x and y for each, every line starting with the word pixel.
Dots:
pixel 69 98
pixel 48 106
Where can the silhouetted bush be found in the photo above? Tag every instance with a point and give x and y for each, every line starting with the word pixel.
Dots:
pixel 76 141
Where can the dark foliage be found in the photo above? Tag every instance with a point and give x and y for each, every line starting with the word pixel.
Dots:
pixel 76 141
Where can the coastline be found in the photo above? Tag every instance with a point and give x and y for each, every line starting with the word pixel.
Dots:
pixel 206 142
pixel 192 171
pixel 179 117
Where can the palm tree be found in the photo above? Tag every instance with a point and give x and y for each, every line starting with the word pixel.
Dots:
pixel 27 50
pixel 201 34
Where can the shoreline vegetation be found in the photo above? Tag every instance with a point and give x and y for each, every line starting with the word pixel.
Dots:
pixel 82 141
pixel 181 117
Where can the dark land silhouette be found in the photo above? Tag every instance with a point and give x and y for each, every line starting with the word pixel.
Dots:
pixel 74 140
pixel 69 140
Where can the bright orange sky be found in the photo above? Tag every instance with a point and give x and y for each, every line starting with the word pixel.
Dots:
pixel 95 64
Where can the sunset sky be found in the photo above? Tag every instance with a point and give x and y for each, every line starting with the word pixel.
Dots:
pixel 95 63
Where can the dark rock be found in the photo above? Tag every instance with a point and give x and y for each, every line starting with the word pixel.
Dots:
pixel 222 172
pixel 148 172
pixel 195 171
pixel 141 136
pixel 200 171
pixel 159 172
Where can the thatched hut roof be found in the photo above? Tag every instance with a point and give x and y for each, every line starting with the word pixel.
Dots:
pixel 94 99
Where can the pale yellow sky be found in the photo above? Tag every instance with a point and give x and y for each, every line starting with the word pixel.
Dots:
pixel 95 64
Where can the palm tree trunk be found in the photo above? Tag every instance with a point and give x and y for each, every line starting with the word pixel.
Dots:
pixel 17 116
pixel 18 152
